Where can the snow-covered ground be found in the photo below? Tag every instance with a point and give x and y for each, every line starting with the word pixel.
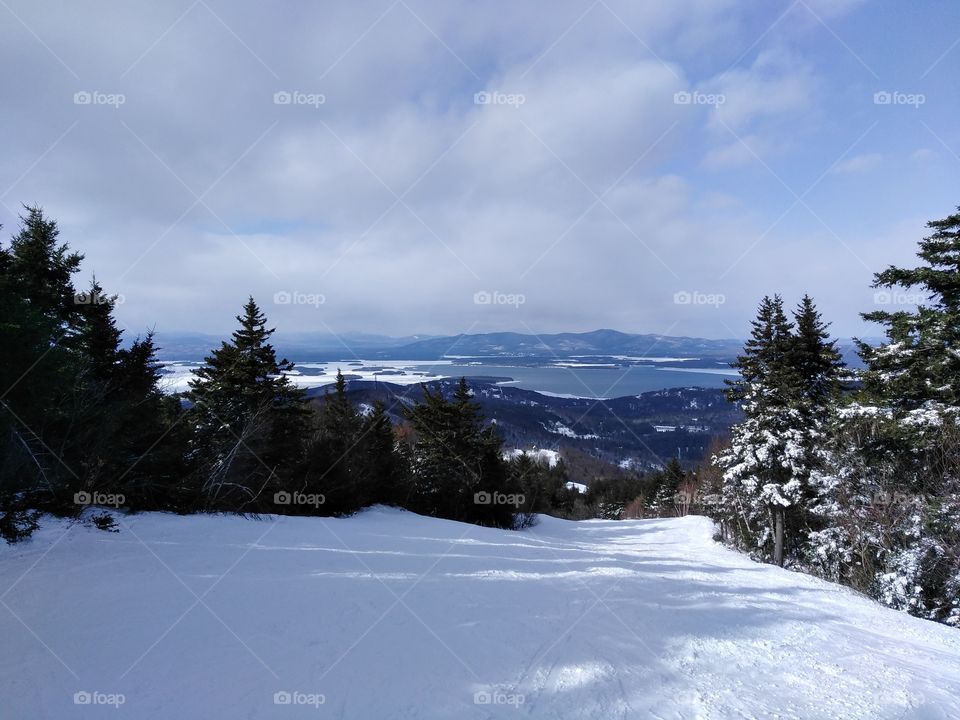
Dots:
pixel 177 374
pixel 391 615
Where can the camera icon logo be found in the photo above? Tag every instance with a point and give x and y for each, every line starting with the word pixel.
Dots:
pixel 82 698
pixel 282 97
pixel 282 498
pixel 282 698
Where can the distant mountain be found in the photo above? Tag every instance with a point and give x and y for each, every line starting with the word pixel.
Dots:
pixel 597 342
pixel 316 346
pixel 302 347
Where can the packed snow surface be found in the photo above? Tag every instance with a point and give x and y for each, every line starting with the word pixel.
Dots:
pixel 392 615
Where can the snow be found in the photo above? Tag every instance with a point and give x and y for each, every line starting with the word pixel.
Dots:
pixel 705 371
pixel 393 615
pixel 550 458
pixel 579 487
pixel 178 373
pixel 558 428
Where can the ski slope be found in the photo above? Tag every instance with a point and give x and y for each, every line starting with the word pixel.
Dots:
pixel 392 615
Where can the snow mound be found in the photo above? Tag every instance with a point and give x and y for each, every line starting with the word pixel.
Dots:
pixel 392 615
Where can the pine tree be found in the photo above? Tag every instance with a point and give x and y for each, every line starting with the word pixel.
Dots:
pixel 97 338
pixel 920 362
pixel 250 421
pixel 814 358
pixel 42 268
pixel 381 463
pixel 458 469
pixel 333 458
pixel 788 380
pixel 893 494
pixel 71 417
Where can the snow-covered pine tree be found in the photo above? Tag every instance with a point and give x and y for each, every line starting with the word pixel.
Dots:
pixel 895 482
pixel 786 383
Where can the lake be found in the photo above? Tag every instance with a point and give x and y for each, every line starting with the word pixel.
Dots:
pixel 577 379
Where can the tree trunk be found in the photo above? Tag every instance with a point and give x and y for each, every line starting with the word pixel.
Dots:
pixel 778 536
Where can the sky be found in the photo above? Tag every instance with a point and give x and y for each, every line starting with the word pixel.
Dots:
pixel 422 167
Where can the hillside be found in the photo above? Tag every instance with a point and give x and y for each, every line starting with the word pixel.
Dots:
pixel 389 614
pixel 641 430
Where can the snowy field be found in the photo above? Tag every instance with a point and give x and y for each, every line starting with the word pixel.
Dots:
pixel 391 615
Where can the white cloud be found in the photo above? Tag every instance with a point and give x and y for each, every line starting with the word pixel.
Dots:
pixel 858 164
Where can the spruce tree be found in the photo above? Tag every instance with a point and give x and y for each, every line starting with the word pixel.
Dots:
pixel 42 268
pixel 896 465
pixel 769 465
pixel 920 361
pixel 380 459
pixel 250 421
pixel 333 458
pixel 458 469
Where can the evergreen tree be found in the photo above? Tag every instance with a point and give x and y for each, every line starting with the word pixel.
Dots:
pixel 333 468
pixel 97 337
pixel 381 461
pixel 891 507
pixel 70 416
pixel 788 380
pixel 920 362
pixel 249 420
pixel 42 268
pixel 458 469
pixel 814 358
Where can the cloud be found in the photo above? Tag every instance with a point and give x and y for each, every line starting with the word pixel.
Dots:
pixel 377 178
pixel 858 164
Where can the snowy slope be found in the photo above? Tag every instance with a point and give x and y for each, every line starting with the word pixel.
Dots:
pixel 391 615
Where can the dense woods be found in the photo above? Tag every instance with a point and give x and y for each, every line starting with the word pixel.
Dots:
pixel 855 476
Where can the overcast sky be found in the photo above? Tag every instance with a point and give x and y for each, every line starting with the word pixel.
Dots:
pixel 404 166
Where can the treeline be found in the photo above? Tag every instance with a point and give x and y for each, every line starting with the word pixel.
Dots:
pixel 854 476
pixel 83 422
